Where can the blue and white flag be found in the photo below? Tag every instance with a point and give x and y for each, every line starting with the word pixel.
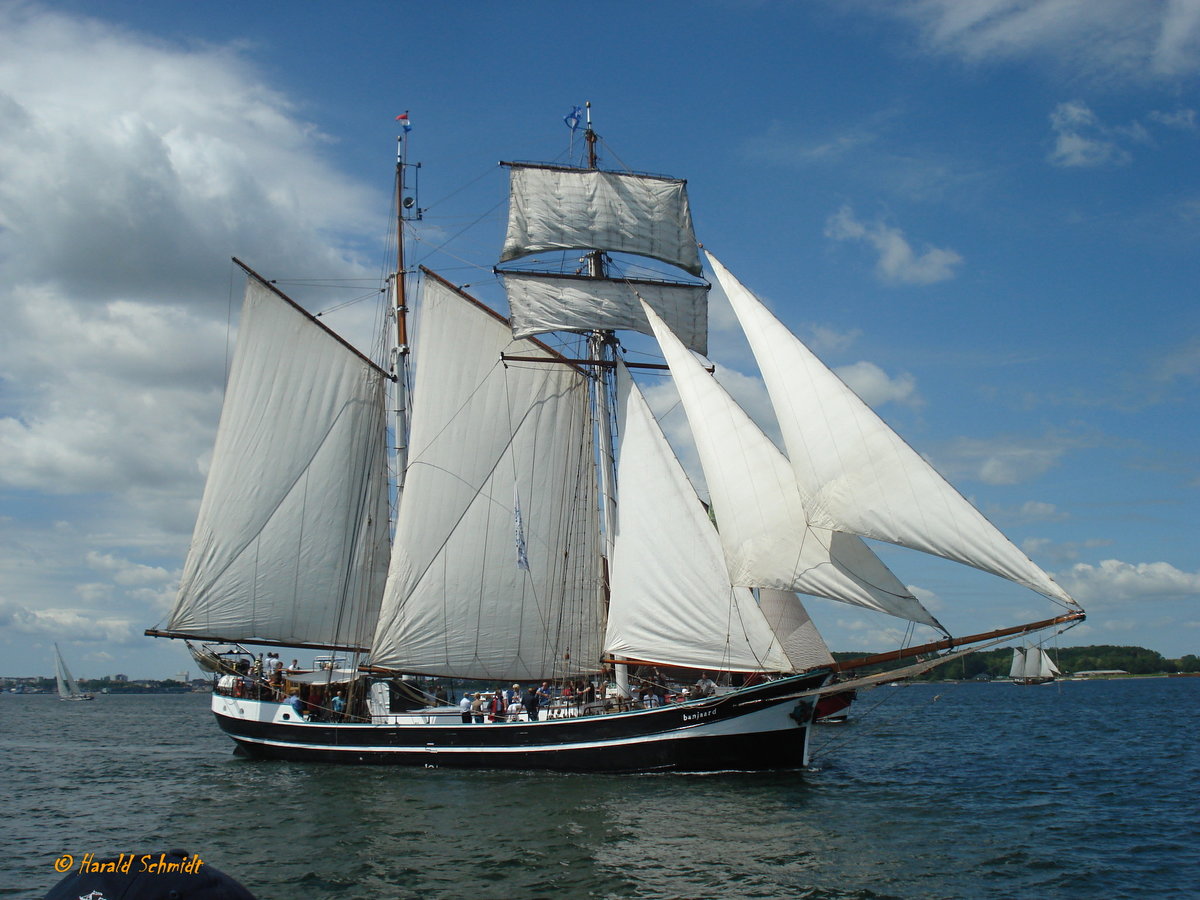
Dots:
pixel 574 117
pixel 519 532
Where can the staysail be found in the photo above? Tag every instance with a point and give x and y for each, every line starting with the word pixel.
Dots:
pixel 768 537
pixel 496 566
pixel 290 544
pixel 794 628
pixel 672 602
pixel 873 485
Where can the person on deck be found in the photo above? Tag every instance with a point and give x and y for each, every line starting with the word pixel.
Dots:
pixel 338 705
pixel 532 703
pixel 496 707
pixel 705 687
pixel 296 703
pixel 464 706
pixel 514 710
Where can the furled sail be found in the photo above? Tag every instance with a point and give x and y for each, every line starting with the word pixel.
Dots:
pixel 765 529
pixel 856 474
pixel 671 600
pixel 290 544
pixel 794 627
pixel 538 303
pixel 495 566
pixel 559 208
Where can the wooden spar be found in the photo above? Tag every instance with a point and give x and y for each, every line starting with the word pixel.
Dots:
pixel 181 635
pixel 953 642
pixel 601 363
pixel 304 312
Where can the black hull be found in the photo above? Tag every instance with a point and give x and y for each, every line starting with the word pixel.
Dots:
pixel 756 728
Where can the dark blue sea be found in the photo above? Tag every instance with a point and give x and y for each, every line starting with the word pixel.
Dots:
pixel 1073 790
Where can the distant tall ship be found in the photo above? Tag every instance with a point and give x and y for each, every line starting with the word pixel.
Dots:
pixel 1032 665
pixel 68 689
pixel 536 525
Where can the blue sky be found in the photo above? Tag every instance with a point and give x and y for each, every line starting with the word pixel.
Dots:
pixel 984 215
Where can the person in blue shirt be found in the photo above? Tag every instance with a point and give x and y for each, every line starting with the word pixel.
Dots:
pixel 296 703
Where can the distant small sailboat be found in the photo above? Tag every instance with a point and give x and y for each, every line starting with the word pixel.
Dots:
pixel 1032 666
pixel 68 689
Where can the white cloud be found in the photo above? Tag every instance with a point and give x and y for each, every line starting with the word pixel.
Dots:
pixel 824 338
pixel 1037 511
pixel 126 572
pixel 898 263
pixel 79 625
pixel 1116 582
pixel 1179 363
pixel 1061 551
pixel 876 387
pixel 131 169
pixel 1182 119
pixel 1081 141
pixel 1002 460
pixel 1100 39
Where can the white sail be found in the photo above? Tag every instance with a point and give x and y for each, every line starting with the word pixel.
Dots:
pixel 765 530
pixel 62 675
pixel 793 626
pixel 495 567
pixel 538 303
pixel 1017 669
pixel 671 599
pixel 859 476
pixel 587 209
pixel 291 540
pixel 1045 665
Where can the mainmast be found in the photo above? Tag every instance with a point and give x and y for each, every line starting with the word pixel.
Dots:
pixel 407 211
pixel 592 212
pixel 602 351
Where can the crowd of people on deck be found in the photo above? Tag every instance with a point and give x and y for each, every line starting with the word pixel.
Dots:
pixel 265 678
pixel 582 698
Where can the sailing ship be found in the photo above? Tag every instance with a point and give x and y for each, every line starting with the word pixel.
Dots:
pixel 536 525
pixel 68 688
pixel 1032 665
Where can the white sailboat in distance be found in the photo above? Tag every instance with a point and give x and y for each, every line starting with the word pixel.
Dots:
pixel 68 689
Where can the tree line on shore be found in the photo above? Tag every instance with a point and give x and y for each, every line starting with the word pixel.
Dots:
pixel 1099 657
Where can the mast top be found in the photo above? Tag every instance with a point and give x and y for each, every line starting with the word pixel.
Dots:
pixel 590 135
